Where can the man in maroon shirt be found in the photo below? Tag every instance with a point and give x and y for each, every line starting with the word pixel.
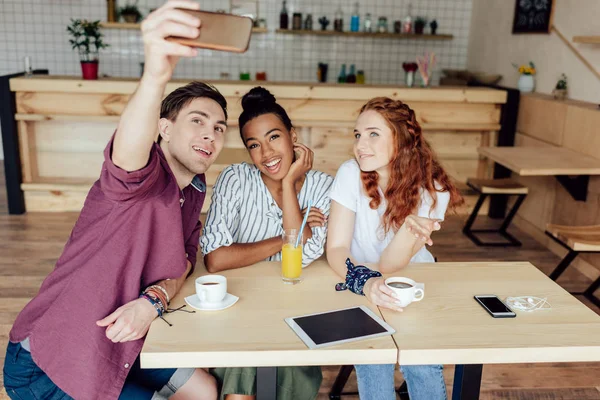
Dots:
pixel 81 336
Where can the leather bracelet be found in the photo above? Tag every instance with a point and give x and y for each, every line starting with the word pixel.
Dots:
pixel 154 304
pixel 158 296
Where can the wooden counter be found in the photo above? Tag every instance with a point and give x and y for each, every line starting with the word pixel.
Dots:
pixel 64 124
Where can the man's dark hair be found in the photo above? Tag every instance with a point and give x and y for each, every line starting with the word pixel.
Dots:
pixel 181 97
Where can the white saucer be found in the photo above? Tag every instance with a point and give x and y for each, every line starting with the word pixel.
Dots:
pixel 194 302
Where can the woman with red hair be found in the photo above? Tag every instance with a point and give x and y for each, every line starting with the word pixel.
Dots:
pixel 385 205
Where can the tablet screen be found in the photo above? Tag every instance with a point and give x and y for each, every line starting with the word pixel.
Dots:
pixel 339 325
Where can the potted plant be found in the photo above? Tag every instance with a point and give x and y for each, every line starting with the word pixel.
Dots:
pixel 409 72
pixel 420 23
pixel 131 13
pixel 526 82
pixel 561 90
pixel 433 25
pixel 87 39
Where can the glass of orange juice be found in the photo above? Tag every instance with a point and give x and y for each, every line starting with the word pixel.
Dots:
pixel 291 257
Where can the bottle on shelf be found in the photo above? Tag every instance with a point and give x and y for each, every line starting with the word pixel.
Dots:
pixel 283 17
pixel 351 78
pixel 368 23
pixel 308 22
pixel 355 19
pixel 338 22
pixel 408 22
pixel 360 77
pixel 342 75
pixel 297 21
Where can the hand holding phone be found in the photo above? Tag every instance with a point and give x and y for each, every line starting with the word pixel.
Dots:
pixel 218 31
pixel 161 55
pixel 494 306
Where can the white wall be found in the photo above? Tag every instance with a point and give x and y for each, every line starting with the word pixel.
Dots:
pixel 492 46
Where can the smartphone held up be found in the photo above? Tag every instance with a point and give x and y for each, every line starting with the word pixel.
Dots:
pixel 219 31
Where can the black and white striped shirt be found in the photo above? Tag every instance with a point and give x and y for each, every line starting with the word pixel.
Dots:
pixel 242 210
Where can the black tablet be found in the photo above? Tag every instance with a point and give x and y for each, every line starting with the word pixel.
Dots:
pixel 339 326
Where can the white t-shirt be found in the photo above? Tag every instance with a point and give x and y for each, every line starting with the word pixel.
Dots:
pixel 369 240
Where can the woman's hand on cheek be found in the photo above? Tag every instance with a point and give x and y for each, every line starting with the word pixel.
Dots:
pixel 302 165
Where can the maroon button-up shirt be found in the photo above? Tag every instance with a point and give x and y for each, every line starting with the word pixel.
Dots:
pixel 133 231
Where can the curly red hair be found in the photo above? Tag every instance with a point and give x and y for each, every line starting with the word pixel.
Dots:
pixel 414 166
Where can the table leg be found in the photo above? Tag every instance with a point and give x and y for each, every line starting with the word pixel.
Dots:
pixel 266 383
pixel 467 382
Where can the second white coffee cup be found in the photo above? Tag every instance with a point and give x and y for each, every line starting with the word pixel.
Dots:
pixel 406 290
pixel 211 288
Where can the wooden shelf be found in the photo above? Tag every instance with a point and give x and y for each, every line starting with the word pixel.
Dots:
pixel 119 25
pixel 587 39
pixel 366 34
pixel 127 25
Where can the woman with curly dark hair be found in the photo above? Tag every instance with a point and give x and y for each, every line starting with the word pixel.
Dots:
pixel 385 205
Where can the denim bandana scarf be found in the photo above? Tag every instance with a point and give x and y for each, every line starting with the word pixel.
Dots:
pixel 356 277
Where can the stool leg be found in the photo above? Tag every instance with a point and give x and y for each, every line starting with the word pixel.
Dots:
pixel 473 216
pixel 589 293
pixel 571 255
pixel 512 212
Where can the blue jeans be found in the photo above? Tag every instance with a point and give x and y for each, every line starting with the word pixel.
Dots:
pixel 425 382
pixel 24 380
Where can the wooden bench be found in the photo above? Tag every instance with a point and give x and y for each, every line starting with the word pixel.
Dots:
pixel 492 187
pixel 576 239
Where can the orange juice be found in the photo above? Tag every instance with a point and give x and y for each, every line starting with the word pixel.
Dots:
pixel 291 262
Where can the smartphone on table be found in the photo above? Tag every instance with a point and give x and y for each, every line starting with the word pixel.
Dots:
pixel 494 306
pixel 219 31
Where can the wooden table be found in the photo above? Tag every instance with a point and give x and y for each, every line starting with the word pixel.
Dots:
pixel 447 327
pixel 548 161
pixel 253 332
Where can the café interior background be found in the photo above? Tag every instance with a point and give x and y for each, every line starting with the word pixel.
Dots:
pixel 37 28
pixel 482 29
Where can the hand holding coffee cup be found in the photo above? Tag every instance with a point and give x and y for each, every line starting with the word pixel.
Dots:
pixel 405 290
pixel 211 288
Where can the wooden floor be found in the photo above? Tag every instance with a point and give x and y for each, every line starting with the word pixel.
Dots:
pixel 31 243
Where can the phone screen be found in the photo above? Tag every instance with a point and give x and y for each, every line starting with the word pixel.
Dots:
pixel 494 305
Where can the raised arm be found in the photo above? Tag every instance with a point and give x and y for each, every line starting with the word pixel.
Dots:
pixel 409 239
pixel 292 214
pixel 138 126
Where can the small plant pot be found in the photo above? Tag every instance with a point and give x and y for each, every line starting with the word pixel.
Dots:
pixel 559 94
pixel 419 28
pixel 130 18
pixel 89 70
pixel 526 83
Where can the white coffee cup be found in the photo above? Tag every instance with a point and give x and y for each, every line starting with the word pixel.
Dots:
pixel 211 288
pixel 406 290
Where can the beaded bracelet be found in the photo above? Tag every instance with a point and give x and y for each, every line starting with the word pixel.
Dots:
pixel 356 278
pixel 162 289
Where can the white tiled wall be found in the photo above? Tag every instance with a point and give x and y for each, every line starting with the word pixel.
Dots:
pixel 37 28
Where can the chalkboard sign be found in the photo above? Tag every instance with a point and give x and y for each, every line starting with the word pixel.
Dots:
pixel 533 16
